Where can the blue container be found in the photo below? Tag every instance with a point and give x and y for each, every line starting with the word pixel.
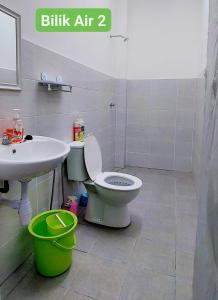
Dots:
pixel 83 199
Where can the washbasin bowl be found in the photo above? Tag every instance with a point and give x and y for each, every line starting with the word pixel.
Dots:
pixel 31 158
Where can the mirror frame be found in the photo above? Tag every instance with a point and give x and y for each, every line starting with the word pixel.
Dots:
pixel 17 86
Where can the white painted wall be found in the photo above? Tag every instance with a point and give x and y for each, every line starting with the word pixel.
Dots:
pixel 94 50
pixel 167 38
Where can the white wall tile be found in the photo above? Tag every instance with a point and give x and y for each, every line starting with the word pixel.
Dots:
pixel 161 114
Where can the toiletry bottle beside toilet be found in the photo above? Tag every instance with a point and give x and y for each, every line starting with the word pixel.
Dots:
pixel 79 130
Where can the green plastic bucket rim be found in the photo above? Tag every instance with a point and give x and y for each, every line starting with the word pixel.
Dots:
pixel 75 221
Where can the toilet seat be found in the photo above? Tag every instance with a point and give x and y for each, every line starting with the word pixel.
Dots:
pixel 118 181
pixel 93 157
pixel 109 180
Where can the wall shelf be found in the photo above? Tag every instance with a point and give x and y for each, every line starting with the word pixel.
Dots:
pixel 54 86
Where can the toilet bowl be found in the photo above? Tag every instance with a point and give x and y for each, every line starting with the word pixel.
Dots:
pixel 109 192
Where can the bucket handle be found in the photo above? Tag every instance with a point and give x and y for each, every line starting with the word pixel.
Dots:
pixel 62 247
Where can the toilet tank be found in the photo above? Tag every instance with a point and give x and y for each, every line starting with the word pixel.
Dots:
pixel 76 168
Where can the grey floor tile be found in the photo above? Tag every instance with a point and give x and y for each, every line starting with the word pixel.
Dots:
pixel 99 276
pixel 86 237
pixel 142 284
pixel 183 289
pixel 36 287
pixel 160 216
pixel 186 226
pixel 186 205
pixel 159 234
pixel 187 190
pixel 160 196
pixel 113 245
pixel 184 265
pixel 71 295
pixel 155 256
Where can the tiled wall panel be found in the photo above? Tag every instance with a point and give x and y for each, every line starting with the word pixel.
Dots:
pixel 160 123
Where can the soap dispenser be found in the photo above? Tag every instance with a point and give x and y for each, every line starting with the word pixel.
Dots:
pixel 18 130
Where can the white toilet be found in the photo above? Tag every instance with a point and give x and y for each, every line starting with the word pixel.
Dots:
pixel 109 192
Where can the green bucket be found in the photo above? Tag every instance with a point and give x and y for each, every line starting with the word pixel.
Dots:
pixel 59 223
pixel 53 254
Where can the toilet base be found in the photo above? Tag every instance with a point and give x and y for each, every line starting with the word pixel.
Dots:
pixel 100 212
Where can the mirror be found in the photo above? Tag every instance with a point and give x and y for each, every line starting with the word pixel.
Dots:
pixel 10 77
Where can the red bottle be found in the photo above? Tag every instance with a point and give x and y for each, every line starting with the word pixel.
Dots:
pixel 76 131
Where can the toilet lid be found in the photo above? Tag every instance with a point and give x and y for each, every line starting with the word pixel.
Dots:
pixel 93 158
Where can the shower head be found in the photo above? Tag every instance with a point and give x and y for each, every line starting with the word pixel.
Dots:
pixel 125 39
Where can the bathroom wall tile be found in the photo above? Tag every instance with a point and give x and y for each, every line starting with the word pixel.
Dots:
pixel 44 195
pixel 183 149
pixel 162 112
pixel 165 134
pixel 135 145
pixel 138 116
pixel 164 87
pixel 137 159
pixel 55 126
pixel 187 102
pixel 12 228
pixel 162 147
pixel 183 163
pixel 138 131
pixel 139 87
pixel 14 252
pixel 185 119
pixel 187 87
pixel 162 118
pixel 161 162
pixel 184 134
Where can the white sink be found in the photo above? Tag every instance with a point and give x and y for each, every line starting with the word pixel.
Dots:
pixel 31 158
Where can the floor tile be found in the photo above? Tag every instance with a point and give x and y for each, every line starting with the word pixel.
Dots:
pixel 99 276
pixel 113 246
pixel 183 289
pixel 142 284
pixel 86 237
pixel 159 234
pixel 71 295
pixel 155 256
pixel 184 265
pixel 186 205
pixel 186 226
pixel 36 287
